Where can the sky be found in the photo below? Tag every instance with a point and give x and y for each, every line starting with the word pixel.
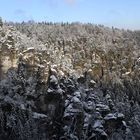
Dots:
pixel 118 13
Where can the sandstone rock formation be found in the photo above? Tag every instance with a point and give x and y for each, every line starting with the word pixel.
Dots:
pixel 69 82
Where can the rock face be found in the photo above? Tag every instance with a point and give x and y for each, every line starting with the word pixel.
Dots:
pixel 63 109
pixel 79 84
pixel 103 54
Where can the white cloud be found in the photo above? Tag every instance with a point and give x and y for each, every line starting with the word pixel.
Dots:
pixel 70 1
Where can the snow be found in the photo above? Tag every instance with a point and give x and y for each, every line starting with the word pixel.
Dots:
pixel 30 49
pixel 39 116
pixel 98 124
pixel 53 79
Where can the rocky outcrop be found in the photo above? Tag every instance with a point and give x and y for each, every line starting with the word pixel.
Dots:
pixel 105 55
pixel 69 84
pixel 63 109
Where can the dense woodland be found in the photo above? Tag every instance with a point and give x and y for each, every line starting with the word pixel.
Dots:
pixel 69 81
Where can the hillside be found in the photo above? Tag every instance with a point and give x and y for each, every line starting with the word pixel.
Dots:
pixel 69 81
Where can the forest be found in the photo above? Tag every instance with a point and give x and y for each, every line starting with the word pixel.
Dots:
pixel 69 81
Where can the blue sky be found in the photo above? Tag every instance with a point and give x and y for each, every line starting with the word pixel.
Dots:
pixel 117 13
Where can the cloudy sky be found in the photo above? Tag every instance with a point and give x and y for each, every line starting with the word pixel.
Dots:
pixel 118 13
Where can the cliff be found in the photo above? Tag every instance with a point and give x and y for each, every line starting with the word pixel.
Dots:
pixel 69 81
